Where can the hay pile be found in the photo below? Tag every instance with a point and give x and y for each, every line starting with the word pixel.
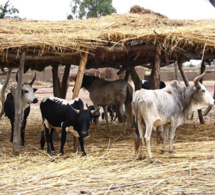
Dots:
pixel 110 166
pixel 47 37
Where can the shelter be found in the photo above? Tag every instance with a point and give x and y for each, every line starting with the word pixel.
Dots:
pixel 119 41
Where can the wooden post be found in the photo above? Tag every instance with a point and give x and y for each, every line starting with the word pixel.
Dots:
pixel 18 112
pixel 64 83
pixel 78 83
pixel 155 73
pixel 3 91
pixel 176 71
pixel 80 75
pixel 180 61
pixel 201 119
pixel 135 78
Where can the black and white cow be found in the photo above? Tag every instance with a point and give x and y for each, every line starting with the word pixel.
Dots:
pixel 27 97
pixel 69 115
pixel 94 119
pixel 170 106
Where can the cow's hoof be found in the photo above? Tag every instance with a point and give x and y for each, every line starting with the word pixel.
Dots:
pixel 171 151
pixel 83 154
pixel 163 151
pixel 141 158
pixel 151 160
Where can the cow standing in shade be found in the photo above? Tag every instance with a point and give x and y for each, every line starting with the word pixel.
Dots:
pixel 104 93
pixel 27 97
pixel 58 112
pixel 170 106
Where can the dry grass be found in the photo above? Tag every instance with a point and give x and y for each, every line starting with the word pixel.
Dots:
pixel 110 166
pixel 74 35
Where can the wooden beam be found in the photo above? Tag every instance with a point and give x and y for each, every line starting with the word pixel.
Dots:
pixel 18 112
pixel 135 78
pixel 80 74
pixel 155 73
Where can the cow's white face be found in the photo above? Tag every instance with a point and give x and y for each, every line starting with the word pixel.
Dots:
pixel 28 94
pixel 203 97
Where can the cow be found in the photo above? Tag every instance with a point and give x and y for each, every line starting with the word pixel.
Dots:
pixel 27 97
pixel 146 84
pixel 63 113
pixel 94 119
pixel 159 130
pixel 170 106
pixel 112 112
pixel 104 93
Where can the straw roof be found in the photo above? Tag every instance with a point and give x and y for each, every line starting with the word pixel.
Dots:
pixel 112 40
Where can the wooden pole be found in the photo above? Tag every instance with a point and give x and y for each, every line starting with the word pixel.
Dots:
pixel 80 74
pixel 186 81
pixel 78 83
pixel 135 78
pixel 155 73
pixel 201 118
pixel 18 112
pixel 176 71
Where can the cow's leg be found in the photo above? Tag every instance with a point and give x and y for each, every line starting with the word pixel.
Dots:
pixel 165 137
pixel 48 140
pixel 63 140
pixel 148 137
pixel 81 141
pixel 123 117
pixel 106 118
pixel 172 135
pixel 23 133
pixel 42 140
pixel 139 137
pixel 51 139
pixel 12 129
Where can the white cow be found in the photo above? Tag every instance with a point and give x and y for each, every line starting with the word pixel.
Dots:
pixel 170 106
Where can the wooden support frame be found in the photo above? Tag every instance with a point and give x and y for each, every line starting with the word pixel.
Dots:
pixel 156 72
pixel 135 78
pixel 80 74
pixel 18 112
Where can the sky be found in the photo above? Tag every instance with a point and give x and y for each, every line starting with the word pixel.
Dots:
pixel 59 9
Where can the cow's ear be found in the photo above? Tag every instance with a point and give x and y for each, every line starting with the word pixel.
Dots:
pixel 34 89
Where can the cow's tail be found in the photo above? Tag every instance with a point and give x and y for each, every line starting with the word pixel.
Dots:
pixel 128 101
pixel 137 140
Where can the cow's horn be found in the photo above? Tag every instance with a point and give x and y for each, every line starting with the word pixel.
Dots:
pixel 75 110
pixel 94 111
pixel 196 80
pixel 17 76
pixel 87 106
pixel 31 83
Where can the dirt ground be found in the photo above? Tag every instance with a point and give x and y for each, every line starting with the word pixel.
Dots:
pixel 110 166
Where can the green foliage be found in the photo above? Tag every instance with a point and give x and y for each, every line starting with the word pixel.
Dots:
pixel 8 10
pixel 90 8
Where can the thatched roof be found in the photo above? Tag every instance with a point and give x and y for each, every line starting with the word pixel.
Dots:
pixel 112 40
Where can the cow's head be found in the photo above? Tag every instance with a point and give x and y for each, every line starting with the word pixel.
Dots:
pixel 27 91
pixel 201 96
pixel 84 118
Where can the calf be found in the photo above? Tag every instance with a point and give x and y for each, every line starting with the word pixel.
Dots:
pixel 27 97
pixel 58 112
pixel 170 106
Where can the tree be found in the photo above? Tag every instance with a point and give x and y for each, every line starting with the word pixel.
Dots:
pixel 90 8
pixel 8 10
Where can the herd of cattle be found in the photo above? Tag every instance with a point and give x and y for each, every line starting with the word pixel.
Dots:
pixel 144 109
